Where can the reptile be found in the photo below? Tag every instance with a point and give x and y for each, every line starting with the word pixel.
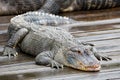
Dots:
pixel 51 45
pixel 8 7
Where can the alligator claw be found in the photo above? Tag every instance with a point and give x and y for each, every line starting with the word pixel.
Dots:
pixel 56 65
pixel 103 58
pixel 10 52
pixel 99 56
pixel 87 43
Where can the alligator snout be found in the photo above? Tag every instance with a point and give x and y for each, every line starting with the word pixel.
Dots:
pixel 89 67
pixel 95 67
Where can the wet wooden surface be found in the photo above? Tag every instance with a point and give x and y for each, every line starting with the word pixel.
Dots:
pixel 105 37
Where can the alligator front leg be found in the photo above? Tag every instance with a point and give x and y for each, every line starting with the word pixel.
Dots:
pixel 47 58
pixel 100 56
pixel 9 49
pixel 95 52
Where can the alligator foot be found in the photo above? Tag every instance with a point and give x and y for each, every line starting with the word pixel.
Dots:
pixel 47 58
pixel 87 43
pixel 102 57
pixel 56 65
pixel 10 52
pixel 99 56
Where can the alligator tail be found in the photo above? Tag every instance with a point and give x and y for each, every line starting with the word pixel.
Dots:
pixel 92 5
pixel 8 7
pixel 54 6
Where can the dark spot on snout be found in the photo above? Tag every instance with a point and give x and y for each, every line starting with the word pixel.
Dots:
pixel 79 51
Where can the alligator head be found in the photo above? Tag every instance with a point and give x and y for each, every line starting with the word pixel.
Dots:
pixel 81 58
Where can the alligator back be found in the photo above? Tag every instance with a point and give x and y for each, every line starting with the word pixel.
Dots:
pixel 45 39
pixel 92 4
pixel 19 6
pixel 37 18
pixel 41 18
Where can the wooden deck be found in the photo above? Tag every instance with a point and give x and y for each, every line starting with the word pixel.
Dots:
pixel 105 37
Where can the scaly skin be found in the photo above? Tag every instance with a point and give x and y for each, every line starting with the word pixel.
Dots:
pixel 39 18
pixel 8 7
pixel 51 45
pixel 91 4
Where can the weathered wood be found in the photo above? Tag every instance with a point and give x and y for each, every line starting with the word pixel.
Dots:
pixel 95 28
pixel 3 38
pixel 1 48
pixel 4 26
pixel 94 14
pixel 107 45
pixel 91 23
pixel 87 33
pixel 103 76
pixel 112 63
pixel 30 67
pixel 3 32
pixel 100 37
pixel 5 19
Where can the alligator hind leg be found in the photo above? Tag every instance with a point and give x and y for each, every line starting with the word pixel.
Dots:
pixel 47 58
pixel 9 49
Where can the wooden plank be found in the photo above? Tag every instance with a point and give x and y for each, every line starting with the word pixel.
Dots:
pixel 30 67
pixel 111 42
pixel 105 49
pixel 21 58
pixel 90 23
pixel 107 45
pixel 100 37
pixel 4 26
pixel 94 14
pixel 5 19
pixel 39 76
pixel 95 28
pixel 3 32
pixel 1 49
pixel 3 38
pixel 87 33
pixel 114 53
pixel 109 64
pixel 60 74
pixel 103 76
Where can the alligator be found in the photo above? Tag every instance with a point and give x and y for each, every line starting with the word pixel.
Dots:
pixel 51 45
pixel 8 7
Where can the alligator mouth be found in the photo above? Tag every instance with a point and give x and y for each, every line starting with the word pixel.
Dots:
pixel 92 68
